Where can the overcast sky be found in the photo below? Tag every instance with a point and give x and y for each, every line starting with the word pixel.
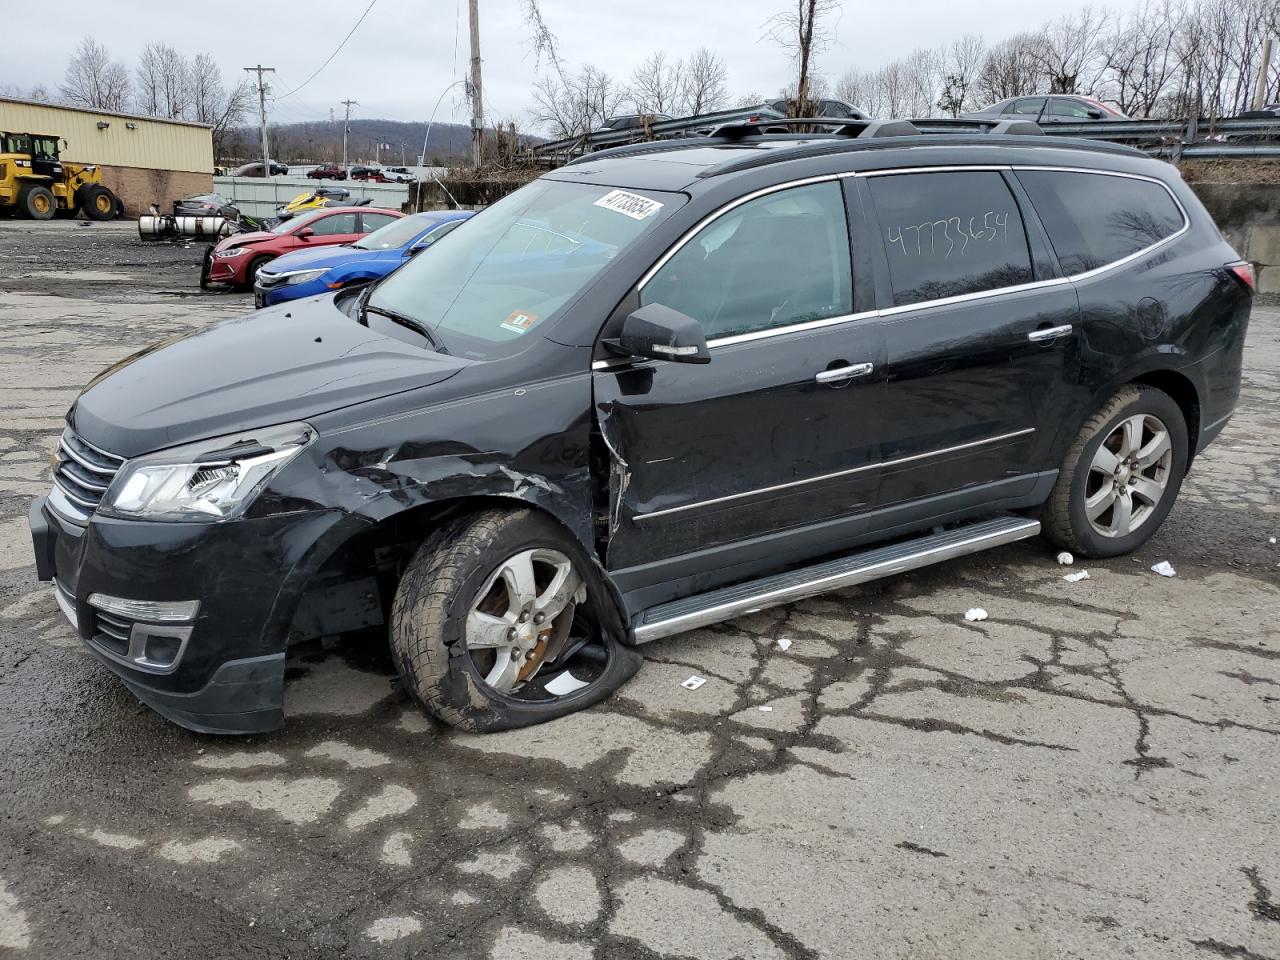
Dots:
pixel 403 56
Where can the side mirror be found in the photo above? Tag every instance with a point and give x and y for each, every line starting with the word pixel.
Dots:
pixel 417 248
pixel 657 332
pixel 1096 114
pixel 306 233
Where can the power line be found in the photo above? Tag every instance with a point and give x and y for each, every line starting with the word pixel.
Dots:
pixel 332 55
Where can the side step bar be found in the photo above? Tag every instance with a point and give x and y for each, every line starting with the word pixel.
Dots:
pixel 726 603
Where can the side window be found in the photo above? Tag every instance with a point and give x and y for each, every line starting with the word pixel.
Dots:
pixel 1094 219
pixel 778 260
pixel 338 223
pixel 373 221
pixel 1064 107
pixel 1029 106
pixel 948 234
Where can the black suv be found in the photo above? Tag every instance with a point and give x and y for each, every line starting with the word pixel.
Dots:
pixel 652 390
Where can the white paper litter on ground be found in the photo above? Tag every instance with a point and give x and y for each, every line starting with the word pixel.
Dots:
pixel 766 709
pixel 565 683
pixel 1272 540
pixel 784 644
pixel 1066 559
pixel 1165 569
pixel 1076 577
pixel 977 613
pixel 694 682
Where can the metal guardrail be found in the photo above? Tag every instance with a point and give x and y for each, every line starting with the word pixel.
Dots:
pixel 1202 137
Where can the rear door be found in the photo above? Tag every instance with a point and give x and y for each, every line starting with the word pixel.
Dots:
pixel 983 346
pixel 335 228
pixel 373 221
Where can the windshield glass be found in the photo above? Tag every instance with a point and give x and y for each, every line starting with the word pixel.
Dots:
pixel 293 223
pixel 518 262
pixel 397 233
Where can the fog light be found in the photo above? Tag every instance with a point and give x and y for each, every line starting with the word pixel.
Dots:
pixel 172 611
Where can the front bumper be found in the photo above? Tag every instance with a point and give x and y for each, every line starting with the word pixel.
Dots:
pixel 284 292
pixel 247 574
pixel 227 270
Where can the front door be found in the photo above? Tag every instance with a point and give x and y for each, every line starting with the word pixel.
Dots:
pixel 982 345
pixel 747 457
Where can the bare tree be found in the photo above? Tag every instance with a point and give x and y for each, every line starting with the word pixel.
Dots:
pixel 1069 51
pixel 704 83
pixel 1010 69
pixel 1141 57
pixel 94 80
pixel 799 30
pixel 214 104
pixel 657 84
pixel 961 62
pixel 578 104
pixel 39 93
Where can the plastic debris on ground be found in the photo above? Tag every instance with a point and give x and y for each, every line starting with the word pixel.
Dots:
pixel 784 644
pixel 694 682
pixel 766 709
pixel 1076 577
pixel 565 683
pixel 1272 540
pixel 977 613
pixel 1066 559
pixel 1165 569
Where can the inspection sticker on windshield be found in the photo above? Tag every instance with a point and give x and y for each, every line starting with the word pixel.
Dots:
pixel 519 321
pixel 631 204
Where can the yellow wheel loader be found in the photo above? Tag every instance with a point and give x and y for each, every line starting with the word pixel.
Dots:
pixel 37 184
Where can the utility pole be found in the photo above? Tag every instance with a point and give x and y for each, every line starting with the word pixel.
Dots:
pixel 1260 90
pixel 262 114
pixel 346 128
pixel 477 96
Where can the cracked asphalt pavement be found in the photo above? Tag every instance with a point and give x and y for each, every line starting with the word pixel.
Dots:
pixel 1093 771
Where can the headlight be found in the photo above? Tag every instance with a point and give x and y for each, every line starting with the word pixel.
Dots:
pixel 229 252
pixel 210 480
pixel 304 276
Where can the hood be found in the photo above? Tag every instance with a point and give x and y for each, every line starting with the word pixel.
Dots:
pixel 283 363
pixel 325 257
pixel 245 239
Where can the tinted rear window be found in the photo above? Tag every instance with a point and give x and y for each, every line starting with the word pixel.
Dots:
pixel 949 234
pixel 1094 219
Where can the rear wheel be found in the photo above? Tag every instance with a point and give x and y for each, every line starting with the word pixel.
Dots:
pixel 501 621
pixel 37 202
pixel 97 202
pixel 1121 476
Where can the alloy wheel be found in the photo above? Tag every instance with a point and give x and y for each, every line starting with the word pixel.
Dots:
pixel 522 617
pixel 1128 475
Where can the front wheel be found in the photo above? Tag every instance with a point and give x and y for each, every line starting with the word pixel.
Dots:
pixel 97 202
pixel 1121 476
pixel 501 621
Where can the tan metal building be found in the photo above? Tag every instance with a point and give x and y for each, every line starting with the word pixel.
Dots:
pixel 144 160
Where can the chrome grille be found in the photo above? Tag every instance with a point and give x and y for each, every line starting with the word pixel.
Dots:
pixel 81 474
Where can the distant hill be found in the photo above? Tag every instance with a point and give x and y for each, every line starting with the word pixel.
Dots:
pixel 321 142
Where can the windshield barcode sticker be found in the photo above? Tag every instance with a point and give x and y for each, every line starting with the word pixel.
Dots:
pixel 630 204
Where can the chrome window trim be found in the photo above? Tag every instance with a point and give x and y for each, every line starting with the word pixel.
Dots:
pixel 880 464
pixel 924 304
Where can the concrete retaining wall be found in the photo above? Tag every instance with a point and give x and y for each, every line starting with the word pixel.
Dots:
pixel 1248 214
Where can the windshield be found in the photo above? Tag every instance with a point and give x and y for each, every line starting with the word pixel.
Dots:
pixel 293 223
pixel 518 262
pixel 397 233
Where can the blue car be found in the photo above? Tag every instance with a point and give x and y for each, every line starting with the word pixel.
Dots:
pixel 308 273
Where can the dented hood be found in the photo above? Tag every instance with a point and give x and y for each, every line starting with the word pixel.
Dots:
pixel 285 363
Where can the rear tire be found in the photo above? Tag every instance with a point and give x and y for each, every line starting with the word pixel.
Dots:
pixel 455 623
pixel 97 202
pixel 36 202
pixel 1121 476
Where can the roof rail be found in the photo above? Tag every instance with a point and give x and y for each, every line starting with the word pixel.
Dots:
pixel 842 126
pixel 993 125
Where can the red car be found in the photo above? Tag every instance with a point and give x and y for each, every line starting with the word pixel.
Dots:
pixel 237 258
pixel 327 171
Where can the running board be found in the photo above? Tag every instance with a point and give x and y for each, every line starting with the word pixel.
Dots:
pixel 726 603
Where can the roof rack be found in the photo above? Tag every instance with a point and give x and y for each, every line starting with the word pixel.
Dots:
pixel 841 126
pixel 992 125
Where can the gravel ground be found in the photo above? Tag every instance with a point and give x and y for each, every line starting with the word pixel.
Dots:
pixel 1092 772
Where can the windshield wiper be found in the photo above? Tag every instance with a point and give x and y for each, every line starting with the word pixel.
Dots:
pixel 403 320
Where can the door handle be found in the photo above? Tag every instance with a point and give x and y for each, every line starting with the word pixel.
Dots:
pixel 1049 333
pixel 844 373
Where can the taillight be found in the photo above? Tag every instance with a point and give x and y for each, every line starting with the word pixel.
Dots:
pixel 1243 271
